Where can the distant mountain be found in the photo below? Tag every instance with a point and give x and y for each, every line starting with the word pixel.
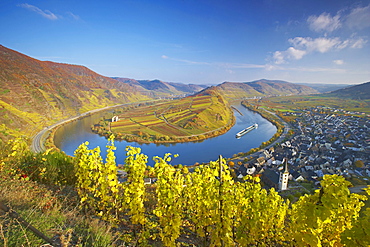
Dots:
pixel 361 91
pixel 263 87
pixel 157 88
pixel 325 88
pixel 34 93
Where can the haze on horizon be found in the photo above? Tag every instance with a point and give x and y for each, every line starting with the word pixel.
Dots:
pixel 201 42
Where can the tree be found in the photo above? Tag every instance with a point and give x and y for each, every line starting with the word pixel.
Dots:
pixel 231 164
pixel 359 163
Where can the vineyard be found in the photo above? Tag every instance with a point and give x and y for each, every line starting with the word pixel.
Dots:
pixel 81 201
pixel 189 119
pixel 207 207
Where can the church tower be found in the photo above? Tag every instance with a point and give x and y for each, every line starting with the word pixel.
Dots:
pixel 284 177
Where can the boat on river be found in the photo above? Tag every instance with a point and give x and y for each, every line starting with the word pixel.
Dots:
pixel 246 130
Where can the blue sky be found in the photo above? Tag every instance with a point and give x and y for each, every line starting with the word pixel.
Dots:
pixel 197 41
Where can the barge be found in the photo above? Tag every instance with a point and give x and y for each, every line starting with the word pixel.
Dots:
pixel 246 130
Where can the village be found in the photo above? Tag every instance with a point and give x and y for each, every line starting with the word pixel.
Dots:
pixel 326 141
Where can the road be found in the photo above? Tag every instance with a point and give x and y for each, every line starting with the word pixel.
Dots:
pixel 37 145
pixel 39 139
pixel 285 132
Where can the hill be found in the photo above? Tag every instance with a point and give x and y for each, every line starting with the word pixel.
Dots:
pixel 359 92
pixel 35 94
pixel 325 88
pixel 260 88
pixel 190 118
pixel 157 88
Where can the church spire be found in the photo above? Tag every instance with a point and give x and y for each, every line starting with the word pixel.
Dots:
pixel 286 166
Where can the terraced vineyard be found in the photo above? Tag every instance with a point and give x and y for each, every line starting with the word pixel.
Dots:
pixel 188 119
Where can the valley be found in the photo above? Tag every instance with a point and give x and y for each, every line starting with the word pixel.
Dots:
pixel 316 140
pixel 185 123
pixel 36 94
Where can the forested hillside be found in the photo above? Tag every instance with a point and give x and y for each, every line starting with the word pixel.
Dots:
pixel 34 94
pixel 359 92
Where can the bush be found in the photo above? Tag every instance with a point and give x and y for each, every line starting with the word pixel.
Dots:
pixel 53 168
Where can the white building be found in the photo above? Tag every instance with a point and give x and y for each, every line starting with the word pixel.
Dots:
pixel 284 177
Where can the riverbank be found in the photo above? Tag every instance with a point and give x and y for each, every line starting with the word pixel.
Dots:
pixel 45 138
pixel 281 134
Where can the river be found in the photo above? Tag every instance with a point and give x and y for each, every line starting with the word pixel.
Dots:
pixel 70 136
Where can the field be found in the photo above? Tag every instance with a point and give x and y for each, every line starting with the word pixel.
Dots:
pixel 292 103
pixel 164 122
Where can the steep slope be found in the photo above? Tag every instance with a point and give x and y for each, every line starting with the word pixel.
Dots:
pixel 361 92
pixel 235 90
pixel 157 88
pixel 34 93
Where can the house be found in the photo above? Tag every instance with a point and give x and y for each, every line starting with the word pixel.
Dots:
pixel 270 161
pixel 266 154
pixel 243 170
pixel 277 162
pixel 270 178
pixel 261 160
pixel 367 172
pixel 309 168
pixel 319 173
pixel 251 169
pixel 296 176
pixel 148 181
pixel 311 176
pixel 347 163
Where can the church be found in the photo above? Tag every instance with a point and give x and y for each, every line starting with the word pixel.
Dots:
pixel 284 177
pixel 274 179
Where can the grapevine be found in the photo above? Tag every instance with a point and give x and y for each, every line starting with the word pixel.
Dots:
pixel 211 206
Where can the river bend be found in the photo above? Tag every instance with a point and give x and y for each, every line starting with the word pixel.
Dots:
pixel 71 135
